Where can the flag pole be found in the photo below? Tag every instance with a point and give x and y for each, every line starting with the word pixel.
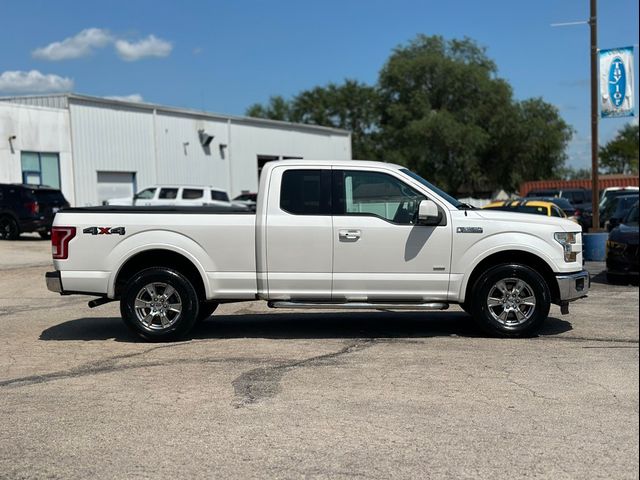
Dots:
pixel 593 24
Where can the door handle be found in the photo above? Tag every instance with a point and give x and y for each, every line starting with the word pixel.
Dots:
pixel 351 235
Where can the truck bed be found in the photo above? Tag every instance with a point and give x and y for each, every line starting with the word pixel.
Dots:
pixel 208 209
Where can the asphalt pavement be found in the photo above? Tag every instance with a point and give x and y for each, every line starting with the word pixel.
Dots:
pixel 257 393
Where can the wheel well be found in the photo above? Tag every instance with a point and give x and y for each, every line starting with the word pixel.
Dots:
pixel 515 256
pixel 159 258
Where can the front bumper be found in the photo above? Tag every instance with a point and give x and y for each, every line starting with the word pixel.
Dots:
pixel 573 286
pixel 54 282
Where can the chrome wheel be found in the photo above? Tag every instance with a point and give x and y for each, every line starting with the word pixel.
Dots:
pixel 511 301
pixel 158 306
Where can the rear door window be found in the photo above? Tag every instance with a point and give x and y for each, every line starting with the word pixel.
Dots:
pixel 192 193
pixel 219 196
pixel 306 192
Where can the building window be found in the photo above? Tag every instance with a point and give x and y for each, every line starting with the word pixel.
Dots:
pixel 41 168
pixel 263 160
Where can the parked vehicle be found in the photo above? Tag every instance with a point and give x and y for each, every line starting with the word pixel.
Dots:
pixel 28 208
pixel 622 249
pixel 608 193
pixel 583 217
pixel 579 198
pixel 528 205
pixel 326 234
pixel 247 198
pixel 617 209
pixel 179 195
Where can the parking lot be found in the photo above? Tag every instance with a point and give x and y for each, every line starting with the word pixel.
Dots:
pixel 256 393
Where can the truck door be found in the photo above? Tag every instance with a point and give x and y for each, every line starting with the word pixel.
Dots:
pixel 299 247
pixel 380 254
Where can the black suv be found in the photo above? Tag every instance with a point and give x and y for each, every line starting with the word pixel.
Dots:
pixel 28 208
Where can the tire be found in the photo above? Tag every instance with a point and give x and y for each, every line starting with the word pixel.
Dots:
pixel 9 229
pixel 206 309
pixel 159 304
pixel 466 307
pixel 45 235
pixel 510 300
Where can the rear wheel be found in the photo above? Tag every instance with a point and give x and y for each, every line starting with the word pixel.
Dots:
pixel 9 229
pixel 159 304
pixel 510 300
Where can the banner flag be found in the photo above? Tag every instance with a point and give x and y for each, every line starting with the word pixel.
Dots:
pixel 616 83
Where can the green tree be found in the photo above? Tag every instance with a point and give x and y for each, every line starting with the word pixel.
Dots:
pixel 620 155
pixel 447 115
pixel 350 106
pixel 440 109
pixel 277 109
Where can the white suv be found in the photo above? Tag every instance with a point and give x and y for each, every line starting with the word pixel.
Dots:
pixel 187 195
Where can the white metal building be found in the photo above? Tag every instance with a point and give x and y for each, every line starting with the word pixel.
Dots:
pixel 95 148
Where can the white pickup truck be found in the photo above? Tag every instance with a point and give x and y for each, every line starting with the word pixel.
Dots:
pixel 326 234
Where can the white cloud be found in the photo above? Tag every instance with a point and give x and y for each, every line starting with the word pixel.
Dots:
pixel 78 46
pixel 151 46
pixel 134 97
pixel 33 82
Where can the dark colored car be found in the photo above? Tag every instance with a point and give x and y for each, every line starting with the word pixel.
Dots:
pixel 247 199
pixel 28 208
pixel 622 249
pixel 579 199
pixel 617 209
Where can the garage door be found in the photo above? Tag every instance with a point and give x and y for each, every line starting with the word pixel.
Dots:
pixel 115 185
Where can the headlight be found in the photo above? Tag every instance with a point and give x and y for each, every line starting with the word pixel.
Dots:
pixel 569 241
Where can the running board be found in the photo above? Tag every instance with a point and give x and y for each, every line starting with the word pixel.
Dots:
pixel 359 305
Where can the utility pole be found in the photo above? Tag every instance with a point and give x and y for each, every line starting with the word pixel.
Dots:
pixel 593 24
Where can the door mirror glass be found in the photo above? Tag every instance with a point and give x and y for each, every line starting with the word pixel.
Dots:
pixel 428 213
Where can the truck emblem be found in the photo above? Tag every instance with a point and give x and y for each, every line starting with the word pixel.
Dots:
pixel 104 231
pixel 469 230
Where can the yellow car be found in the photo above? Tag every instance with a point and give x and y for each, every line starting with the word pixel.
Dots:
pixel 538 207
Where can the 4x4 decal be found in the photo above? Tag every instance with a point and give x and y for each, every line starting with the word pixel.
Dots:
pixel 104 231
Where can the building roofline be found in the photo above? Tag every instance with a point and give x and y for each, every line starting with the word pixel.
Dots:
pixel 185 111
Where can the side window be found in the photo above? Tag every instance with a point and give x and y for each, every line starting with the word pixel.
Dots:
pixel 192 193
pixel 220 196
pixel 378 194
pixel 146 194
pixel 306 192
pixel 555 212
pixel 168 193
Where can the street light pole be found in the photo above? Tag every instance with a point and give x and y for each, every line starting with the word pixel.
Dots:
pixel 593 23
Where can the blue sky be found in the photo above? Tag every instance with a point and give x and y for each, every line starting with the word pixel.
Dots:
pixel 222 56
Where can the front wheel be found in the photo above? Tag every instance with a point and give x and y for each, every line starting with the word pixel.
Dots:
pixel 511 300
pixel 159 304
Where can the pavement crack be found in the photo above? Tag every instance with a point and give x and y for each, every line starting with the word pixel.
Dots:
pixel 264 382
pixel 110 364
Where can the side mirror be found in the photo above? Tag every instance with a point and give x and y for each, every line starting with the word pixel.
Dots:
pixel 428 213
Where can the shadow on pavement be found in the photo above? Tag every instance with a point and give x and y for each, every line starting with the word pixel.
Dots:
pixel 299 326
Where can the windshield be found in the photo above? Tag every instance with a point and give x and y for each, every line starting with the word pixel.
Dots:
pixel 632 218
pixel 427 184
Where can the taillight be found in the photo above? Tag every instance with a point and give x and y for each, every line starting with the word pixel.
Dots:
pixel 32 207
pixel 577 212
pixel 60 238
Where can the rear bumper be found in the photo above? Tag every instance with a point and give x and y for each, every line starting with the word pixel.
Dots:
pixel 54 282
pixel 573 286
